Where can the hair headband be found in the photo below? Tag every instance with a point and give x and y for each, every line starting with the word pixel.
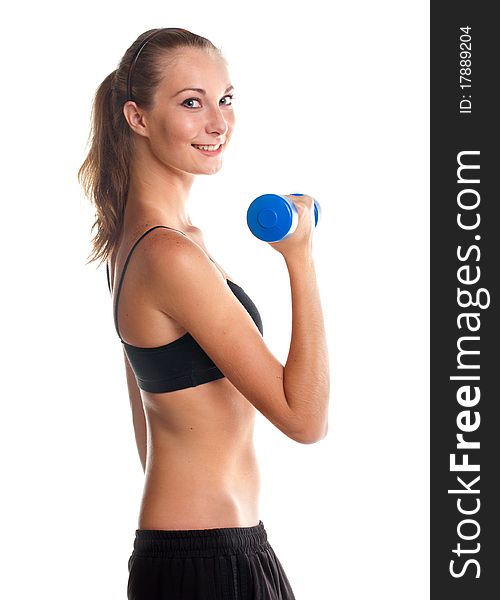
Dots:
pixel 134 60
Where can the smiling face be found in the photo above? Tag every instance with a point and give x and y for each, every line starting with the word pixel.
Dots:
pixel 181 119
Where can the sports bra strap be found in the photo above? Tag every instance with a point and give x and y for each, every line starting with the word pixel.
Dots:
pixel 107 276
pixel 125 268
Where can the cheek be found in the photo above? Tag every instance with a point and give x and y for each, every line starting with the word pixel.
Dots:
pixel 230 120
pixel 177 128
pixel 185 130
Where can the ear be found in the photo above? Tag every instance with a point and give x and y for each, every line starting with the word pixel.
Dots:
pixel 135 117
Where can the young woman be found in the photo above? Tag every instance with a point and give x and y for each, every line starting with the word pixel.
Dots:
pixel 196 362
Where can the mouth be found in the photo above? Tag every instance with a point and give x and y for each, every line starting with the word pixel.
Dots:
pixel 209 150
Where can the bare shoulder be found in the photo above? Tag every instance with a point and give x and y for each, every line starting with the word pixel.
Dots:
pixel 170 257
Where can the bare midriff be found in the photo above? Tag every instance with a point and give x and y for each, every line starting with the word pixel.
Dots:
pixel 201 469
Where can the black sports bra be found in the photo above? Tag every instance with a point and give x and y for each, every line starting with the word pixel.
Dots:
pixel 181 363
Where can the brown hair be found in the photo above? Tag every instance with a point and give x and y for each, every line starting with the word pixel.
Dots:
pixel 104 174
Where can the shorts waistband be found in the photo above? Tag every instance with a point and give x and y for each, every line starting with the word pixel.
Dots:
pixel 200 542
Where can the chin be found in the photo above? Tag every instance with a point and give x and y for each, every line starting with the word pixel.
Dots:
pixel 212 171
pixel 208 169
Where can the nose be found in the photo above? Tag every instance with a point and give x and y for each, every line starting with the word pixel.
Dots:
pixel 216 122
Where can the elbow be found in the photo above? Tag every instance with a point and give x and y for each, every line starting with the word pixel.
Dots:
pixel 312 435
pixel 307 429
pixel 310 439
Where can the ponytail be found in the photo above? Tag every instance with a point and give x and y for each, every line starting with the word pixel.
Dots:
pixel 104 175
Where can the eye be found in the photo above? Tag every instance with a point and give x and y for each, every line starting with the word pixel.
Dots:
pixel 191 100
pixel 231 96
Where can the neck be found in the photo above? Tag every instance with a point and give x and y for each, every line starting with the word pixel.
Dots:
pixel 159 192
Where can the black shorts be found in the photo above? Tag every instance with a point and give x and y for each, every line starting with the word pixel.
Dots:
pixel 229 563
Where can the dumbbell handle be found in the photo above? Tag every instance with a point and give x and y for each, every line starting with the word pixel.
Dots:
pixel 317 209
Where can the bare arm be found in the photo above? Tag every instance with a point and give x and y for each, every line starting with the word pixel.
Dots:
pixel 138 417
pixel 306 373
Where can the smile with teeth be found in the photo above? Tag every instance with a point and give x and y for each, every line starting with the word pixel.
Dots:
pixel 208 148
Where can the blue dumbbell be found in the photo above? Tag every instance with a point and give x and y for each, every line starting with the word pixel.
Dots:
pixel 272 218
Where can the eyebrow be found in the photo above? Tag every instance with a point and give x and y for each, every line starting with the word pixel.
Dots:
pixel 200 91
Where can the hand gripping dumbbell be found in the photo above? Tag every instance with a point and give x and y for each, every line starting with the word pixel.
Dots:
pixel 272 218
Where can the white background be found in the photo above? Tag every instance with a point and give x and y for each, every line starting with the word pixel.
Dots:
pixel 331 99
